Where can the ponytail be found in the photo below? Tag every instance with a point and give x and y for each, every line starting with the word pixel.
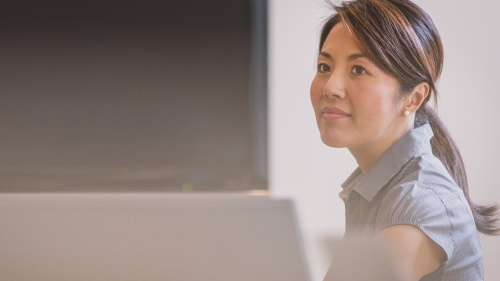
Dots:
pixel 444 148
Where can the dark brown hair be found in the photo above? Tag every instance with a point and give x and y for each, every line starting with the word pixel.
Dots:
pixel 401 39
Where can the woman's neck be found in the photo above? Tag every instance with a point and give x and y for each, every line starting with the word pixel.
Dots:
pixel 368 155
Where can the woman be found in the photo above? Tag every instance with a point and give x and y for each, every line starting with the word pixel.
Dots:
pixel 377 68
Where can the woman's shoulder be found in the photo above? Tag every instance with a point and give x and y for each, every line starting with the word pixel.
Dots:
pixel 424 190
pixel 425 176
pixel 423 194
pixel 428 199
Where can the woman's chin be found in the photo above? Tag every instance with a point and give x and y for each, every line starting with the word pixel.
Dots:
pixel 332 142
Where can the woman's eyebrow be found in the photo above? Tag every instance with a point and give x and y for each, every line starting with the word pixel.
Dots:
pixel 349 58
pixel 325 54
pixel 356 56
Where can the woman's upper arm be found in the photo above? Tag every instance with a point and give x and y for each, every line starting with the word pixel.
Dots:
pixel 414 254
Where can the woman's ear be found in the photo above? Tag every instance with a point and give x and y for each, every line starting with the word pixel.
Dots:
pixel 415 99
pixel 419 94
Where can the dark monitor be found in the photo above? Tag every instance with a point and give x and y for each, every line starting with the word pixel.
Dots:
pixel 130 94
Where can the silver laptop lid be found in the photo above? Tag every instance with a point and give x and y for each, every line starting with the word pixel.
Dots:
pixel 149 237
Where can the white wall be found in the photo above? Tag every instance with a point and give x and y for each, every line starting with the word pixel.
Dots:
pixel 302 168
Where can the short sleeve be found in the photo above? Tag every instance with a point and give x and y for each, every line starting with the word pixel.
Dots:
pixel 411 204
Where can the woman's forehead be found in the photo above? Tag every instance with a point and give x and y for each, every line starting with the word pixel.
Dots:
pixel 340 37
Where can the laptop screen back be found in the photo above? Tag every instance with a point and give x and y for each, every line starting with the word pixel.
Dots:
pixel 148 237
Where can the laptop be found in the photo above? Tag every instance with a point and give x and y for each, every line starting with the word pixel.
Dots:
pixel 149 236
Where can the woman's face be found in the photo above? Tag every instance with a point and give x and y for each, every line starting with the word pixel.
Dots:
pixel 355 102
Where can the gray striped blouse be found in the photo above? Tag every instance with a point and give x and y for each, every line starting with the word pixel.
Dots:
pixel 410 186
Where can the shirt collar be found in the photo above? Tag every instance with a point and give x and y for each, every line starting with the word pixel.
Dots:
pixel 413 144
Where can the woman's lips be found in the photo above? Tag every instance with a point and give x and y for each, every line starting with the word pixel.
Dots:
pixel 333 113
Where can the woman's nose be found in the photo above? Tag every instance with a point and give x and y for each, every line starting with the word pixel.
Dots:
pixel 334 87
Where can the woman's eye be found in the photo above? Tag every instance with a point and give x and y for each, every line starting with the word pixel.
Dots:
pixel 323 67
pixel 358 70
